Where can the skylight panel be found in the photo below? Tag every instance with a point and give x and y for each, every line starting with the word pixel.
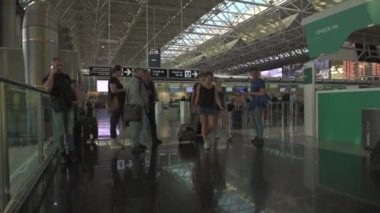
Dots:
pixel 221 19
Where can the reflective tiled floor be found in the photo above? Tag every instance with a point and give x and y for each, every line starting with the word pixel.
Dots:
pixel 291 174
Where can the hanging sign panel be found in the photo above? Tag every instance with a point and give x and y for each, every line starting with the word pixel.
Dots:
pixel 158 73
pixel 127 71
pixel 175 73
pixel 100 71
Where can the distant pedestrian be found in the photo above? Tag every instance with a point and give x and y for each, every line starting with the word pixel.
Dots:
pixel 138 95
pixel 257 106
pixel 153 98
pixel 116 91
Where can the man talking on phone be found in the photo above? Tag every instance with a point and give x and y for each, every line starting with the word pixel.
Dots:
pixel 63 98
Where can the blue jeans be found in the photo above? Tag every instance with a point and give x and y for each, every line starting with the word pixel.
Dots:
pixel 114 120
pixel 64 125
pixel 256 117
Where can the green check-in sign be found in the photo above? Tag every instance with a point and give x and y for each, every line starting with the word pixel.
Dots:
pixel 328 30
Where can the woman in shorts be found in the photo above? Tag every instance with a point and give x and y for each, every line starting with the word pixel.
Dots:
pixel 206 99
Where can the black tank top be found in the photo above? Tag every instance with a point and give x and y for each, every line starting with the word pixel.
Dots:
pixel 207 96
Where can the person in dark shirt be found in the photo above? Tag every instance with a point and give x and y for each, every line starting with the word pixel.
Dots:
pixel 207 99
pixel 257 106
pixel 193 108
pixel 149 84
pixel 63 98
pixel 116 90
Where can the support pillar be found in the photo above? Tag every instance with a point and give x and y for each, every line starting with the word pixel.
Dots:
pixel 40 40
pixel 310 101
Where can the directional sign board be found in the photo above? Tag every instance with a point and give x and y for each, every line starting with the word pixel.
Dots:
pixel 100 71
pixel 176 73
pixel 194 73
pixel 127 71
pixel 158 73
pixel 155 72
pixel 183 73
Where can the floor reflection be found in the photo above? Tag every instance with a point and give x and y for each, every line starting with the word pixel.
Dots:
pixel 288 175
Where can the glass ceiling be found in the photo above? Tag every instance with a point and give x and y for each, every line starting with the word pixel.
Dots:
pixel 24 3
pixel 221 19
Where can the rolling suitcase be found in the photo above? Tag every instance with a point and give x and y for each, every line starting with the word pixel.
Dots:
pixel 186 132
pixel 90 129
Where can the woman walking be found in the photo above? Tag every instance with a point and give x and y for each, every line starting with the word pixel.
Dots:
pixel 206 99
pixel 116 90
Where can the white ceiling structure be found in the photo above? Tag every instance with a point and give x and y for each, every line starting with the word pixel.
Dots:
pixel 223 36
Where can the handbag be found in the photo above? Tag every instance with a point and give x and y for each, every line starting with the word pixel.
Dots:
pixel 133 112
pixel 113 104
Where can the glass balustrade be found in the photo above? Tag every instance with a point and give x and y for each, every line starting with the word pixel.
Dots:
pixel 26 135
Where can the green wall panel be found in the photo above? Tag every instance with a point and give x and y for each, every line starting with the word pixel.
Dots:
pixel 333 170
pixel 339 114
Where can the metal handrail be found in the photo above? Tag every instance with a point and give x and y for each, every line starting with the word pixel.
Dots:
pixel 21 84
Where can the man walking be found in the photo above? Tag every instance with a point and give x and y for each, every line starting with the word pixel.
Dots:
pixel 63 98
pixel 138 95
pixel 257 105
pixel 149 84
pixel 116 90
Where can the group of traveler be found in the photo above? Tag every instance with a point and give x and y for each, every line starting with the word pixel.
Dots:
pixel 65 96
pixel 141 91
pixel 207 101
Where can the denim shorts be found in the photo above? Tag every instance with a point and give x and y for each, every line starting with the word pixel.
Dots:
pixel 207 110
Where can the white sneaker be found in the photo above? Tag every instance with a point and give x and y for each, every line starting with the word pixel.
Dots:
pixel 206 146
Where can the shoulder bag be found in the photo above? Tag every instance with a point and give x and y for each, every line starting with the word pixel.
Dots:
pixel 112 103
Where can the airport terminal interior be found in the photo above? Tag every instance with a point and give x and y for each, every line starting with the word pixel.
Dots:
pixel 317 99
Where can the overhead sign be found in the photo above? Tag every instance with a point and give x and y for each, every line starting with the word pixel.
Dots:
pixel 154 58
pixel 326 31
pixel 174 73
pixel 127 71
pixel 100 71
pixel 159 73
pixel 155 72
pixel 191 73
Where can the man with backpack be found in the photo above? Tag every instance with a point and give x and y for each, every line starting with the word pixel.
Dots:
pixel 63 98
pixel 257 105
